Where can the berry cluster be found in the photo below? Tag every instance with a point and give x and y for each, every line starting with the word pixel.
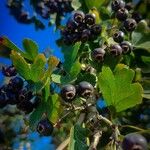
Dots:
pixel 80 27
pixel 47 7
pixel 21 16
pixel 14 93
pixel 83 89
pixel 124 13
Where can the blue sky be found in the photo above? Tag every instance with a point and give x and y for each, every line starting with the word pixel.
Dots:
pixel 16 32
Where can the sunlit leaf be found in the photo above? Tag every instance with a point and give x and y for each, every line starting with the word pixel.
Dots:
pixel 118 90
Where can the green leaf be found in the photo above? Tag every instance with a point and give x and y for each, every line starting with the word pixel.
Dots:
pixel 37 68
pixel 70 55
pixel 22 67
pixel 47 89
pixel 56 108
pixel 6 46
pixel 87 77
pixel 141 37
pixel 75 69
pixel 75 4
pixel 94 3
pixel 118 89
pixel 31 48
pixel 78 137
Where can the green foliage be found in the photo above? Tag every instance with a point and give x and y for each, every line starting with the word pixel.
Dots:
pixel 78 138
pixel 51 109
pixel 28 71
pixel 118 90
pixel 141 36
pixel 30 47
pixel 94 3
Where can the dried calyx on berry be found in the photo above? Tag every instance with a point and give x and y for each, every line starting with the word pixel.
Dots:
pixel 98 54
pixel 126 47
pixel 115 49
pixel 122 14
pixel 117 4
pixel 45 127
pixel 9 71
pixel 68 92
pixel 85 89
pixel 78 16
pixel 134 141
pixel 130 24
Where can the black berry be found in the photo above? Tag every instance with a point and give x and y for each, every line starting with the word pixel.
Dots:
pixel 25 106
pixel 85 36
pixel 71 25
pixel 134 141
pixel 45 127
pixel 122 14
pixel 78 16
pixel 9 71
pixel 115 50
pixel 130 24
pixel 90 19
pixel 85 89
pixel 3 99
pixel 137 16
pixel 68 92
pixel 98 54
pixel 12 97
pixel 118 36
pixel 126 47
pixel 16 84
pixel 117 4
pixel 96 29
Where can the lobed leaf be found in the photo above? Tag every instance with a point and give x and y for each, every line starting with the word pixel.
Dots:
pixel 118 90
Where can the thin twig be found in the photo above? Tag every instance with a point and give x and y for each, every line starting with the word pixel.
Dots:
pixel 95 142
pixel 63 144
pixel 107 121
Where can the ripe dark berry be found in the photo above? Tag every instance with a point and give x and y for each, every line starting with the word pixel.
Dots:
pixel 78 16
pixel 98 54
pixel 89 19
pixel 130 24
pixel 3 99
pixel 96 29
pixel 71 25
pixel 25 95
pixel 126 47
pixel 16 83
pixel 122 14
pixel 117 4
pixel 45 127
pixel 115 50
pixel 118 36
pixel 68 92
pixel 134 141
pixel 85 36
pixel 25 106
pixel 137 16
pixel 85 89
pixel 9 71
pixel 12 97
